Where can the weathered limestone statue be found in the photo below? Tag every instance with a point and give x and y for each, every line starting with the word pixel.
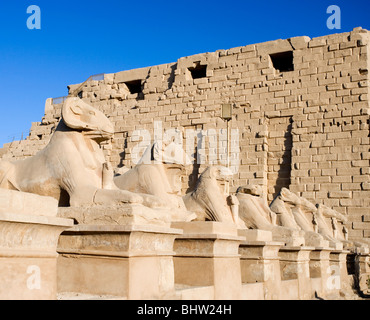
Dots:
pixel 209 202
pixel 253 208
pixel 285 217
pixel 327 223
pixel 155 177
pixel 317 221
pixel 298 213
pixel 158 175
pixel 256 214
pixel 73 163
pixel 332 224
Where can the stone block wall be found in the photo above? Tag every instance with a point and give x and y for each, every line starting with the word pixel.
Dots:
pixel 300 116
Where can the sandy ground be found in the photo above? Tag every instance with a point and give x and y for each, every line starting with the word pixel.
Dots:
pixel 81 296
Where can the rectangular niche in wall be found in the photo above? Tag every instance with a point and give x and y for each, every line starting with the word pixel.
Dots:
pixel 134 86
pixel 283 61
pixel 198 71
pixel 279 159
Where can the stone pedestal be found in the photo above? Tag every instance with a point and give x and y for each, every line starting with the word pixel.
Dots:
pixel 339 278
pixel 259 260
pixel 320 270
pixel 294 264
pixel 362 262
pixel 207 254
pixel 28 257
pixel 134 261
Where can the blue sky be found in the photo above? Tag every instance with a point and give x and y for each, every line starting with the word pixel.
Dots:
pixel 80 38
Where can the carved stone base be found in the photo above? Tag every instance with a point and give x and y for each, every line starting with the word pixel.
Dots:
pixel 313 239
pixel 336 245
pixel 123 214
pixel 207 254
pixel 291 237
pixel 259 260
pixel 27 203
pixel 255 235
pixel 28 257
pixel 134 261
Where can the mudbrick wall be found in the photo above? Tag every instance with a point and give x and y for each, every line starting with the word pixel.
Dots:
pixel 300 117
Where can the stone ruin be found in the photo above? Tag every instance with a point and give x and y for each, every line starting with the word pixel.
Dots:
pixel 79 215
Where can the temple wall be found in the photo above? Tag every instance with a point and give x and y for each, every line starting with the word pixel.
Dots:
pixel 300 110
